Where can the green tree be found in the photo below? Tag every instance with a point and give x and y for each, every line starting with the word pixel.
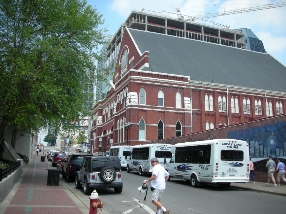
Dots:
pixel 81 138
pixel 50 139
pixel 48 50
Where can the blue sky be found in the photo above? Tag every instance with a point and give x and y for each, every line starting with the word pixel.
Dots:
pixel 268 25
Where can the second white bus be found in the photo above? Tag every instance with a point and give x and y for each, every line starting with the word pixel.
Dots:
pixel 219 161
pixel 123 152
pixel 142 155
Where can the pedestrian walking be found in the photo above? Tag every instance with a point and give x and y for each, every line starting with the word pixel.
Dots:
pixel 37 151
pixel 158 185
pixel 280 169
pixel 251 168
pixel 271 165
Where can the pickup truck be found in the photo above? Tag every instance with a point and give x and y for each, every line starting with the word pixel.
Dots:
pixel 71 165
pixel 99 172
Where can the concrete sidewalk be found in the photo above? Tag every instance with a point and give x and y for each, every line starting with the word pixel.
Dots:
pixel 261 187
pixel 32 194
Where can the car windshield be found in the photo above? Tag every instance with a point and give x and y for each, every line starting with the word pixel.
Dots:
pixel 77 160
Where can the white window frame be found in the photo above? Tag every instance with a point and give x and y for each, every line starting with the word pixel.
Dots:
pixel 178 100
pixel 161 96
pixel 142 99
pixel 142 132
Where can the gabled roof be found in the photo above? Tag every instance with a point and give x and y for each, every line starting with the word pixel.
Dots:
pixel 210 62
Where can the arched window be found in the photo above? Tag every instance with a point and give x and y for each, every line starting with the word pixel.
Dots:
pixel 160 98
pixel 124 60
pixel 269 111
pixel 224 104
pixel 236 105
pixel 178 100
pixel 207 125
pixel 279 107
pixel 142 98
pixel 207 108
pixel 178 129
pixel 221 104
pixel 209 102
pixel 142 130
pixel 258 109
pixel 232 105
pixel 246 105
pixel 160 130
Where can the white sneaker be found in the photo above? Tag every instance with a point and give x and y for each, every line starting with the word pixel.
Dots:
pixel 266 184
pixel 254 182
pixel 275 185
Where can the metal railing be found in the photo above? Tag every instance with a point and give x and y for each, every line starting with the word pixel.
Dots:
pixel 7 171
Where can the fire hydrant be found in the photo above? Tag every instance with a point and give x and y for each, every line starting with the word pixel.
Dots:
pixel 95 203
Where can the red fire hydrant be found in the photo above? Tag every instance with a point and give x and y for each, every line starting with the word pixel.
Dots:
pixel 95 203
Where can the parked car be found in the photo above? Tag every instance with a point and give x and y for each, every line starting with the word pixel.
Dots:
pixel 60 164
pixel 50 154
pixel 99 172
pixel 72 164
pixel 57 156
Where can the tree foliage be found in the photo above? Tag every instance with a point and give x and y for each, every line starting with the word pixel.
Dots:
pixel 48 50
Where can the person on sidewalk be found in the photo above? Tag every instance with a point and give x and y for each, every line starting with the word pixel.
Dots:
pixel 158 185
pixel 271 165
pixel 251 168
pixel 280 169
pixel 37 151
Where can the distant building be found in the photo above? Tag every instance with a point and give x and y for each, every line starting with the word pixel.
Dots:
pixel 174 77
pixel 252 42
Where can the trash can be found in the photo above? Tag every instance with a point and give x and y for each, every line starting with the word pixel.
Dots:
pixel 53 177
pixel 43 158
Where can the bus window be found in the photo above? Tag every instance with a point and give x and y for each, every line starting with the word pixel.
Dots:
pixel 163 154
pixel 231 155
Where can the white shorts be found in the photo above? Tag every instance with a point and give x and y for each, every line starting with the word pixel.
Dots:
pixel 157 194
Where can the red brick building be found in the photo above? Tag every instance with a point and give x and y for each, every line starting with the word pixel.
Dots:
pixel 167 86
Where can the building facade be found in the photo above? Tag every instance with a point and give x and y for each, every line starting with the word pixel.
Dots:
pixel 172 84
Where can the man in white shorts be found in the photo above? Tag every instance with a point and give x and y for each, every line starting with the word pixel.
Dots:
pixel 158 181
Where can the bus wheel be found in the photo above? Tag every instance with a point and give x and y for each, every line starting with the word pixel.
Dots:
pixel 194 181
pixel 128 169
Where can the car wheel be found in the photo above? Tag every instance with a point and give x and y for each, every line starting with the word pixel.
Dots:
pixel 86 189
pixel 107 174
pixel 68 177
pixel 118 189
pixel 77 183
pixel 128 169
pixel 194 181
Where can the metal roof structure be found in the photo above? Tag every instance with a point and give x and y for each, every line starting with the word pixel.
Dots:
pixel 209 62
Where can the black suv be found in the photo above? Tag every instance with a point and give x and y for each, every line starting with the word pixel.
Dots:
pixel 99 172
pixel 71 165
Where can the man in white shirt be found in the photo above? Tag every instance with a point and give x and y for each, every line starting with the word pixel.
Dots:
pixel 158 181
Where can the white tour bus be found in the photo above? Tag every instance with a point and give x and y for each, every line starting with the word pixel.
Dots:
pixel 142 155
pixel 123 152
pixel 218 161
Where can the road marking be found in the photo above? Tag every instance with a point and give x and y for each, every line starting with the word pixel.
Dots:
pixel 195 210
pixel 145 207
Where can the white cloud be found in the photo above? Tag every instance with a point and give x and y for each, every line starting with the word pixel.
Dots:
pixel 272 43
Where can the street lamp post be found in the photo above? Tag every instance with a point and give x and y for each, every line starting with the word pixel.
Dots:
pixel 127 126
